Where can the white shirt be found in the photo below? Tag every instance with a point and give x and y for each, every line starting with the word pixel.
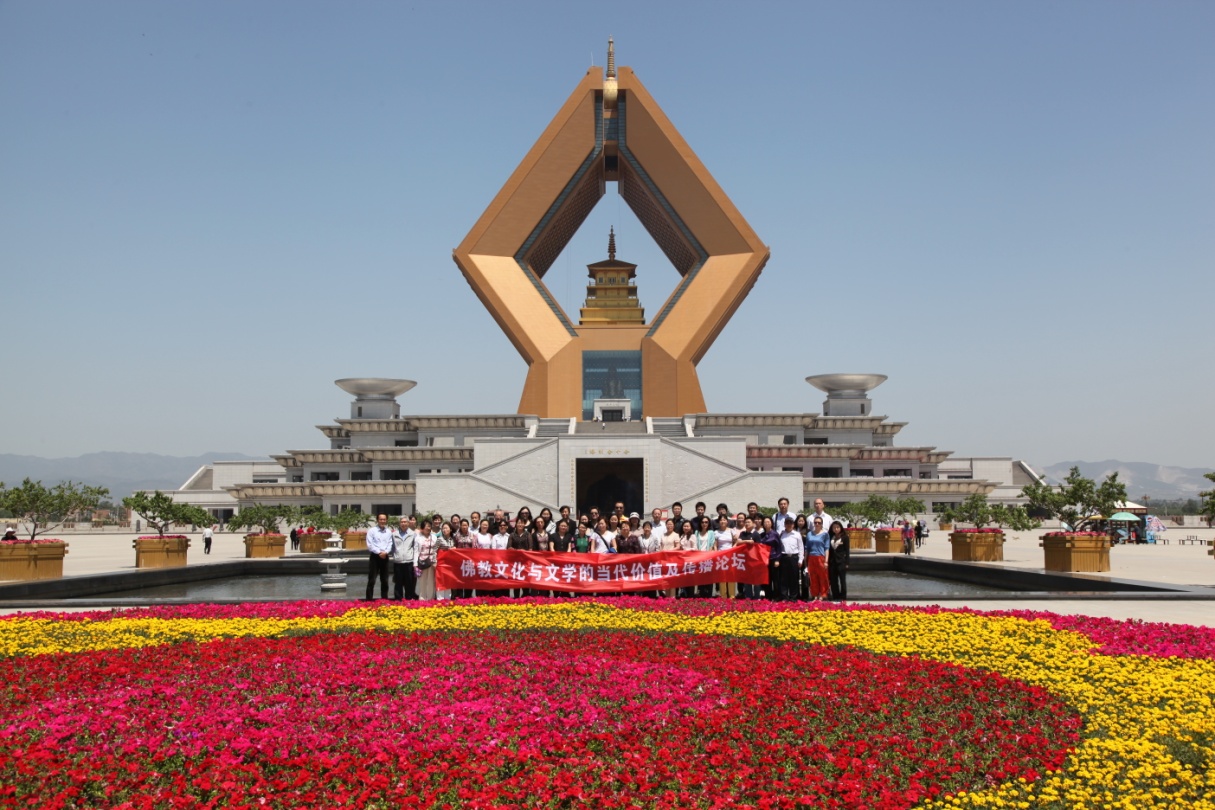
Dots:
pixel 379 541
pixel 725 539
pixel 482 540
pixel 500 541
pixel 827 520
pixel 650 544
pixel 659 530
pixel 599 545
pixel 791 543
pixel 778 522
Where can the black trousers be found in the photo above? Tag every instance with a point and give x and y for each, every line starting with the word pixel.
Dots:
pixel 837 575
pixel 791 576
pixel 404 581
pixel 377 568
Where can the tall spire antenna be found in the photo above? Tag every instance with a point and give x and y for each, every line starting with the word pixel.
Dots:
pixel 610 88
pixel 612 243
pixel 611 67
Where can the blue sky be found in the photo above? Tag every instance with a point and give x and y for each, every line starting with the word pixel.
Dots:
pixel 210 211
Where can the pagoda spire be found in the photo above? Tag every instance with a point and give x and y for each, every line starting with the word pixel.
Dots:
pixel 612 243
pixel 610 87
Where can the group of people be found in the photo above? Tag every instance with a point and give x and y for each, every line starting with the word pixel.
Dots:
pixel 808 554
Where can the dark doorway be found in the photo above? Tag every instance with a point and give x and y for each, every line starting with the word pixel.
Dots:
pixel 603 482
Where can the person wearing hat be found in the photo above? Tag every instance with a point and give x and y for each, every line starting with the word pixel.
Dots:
pixel 10 534
pixel 628 540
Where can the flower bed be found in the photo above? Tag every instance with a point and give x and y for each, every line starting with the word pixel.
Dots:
pixel 601 703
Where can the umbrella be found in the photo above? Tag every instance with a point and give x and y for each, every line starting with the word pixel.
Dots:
pixel 1124 516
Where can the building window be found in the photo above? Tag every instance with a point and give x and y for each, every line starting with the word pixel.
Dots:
pixel 405 443
pixel 862 473
pixel 394 475
pixel 925 474
pixel 816 440
pixel 611 375
pixel 959 477
pixel 297 479
pixel 361 475
pixel 792 469
pixel 940 506
pixel 898 473
pixel 265 480
pixel 324 476
pixel 393 510
pixel 828 472
pixel 789 439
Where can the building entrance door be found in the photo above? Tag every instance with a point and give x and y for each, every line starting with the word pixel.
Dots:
pixel 603 482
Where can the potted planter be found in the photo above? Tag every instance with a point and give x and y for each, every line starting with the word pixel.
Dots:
pixel 977 545
pixel 945 526
pixel 314 542
pixel 888 541
pixel 354 541
pixel 161 552
pixel 265 545
pixel 1087 552
pixel 30 560
pixel 860 537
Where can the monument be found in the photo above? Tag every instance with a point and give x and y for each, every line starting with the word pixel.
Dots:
pixel 610 130
pixel 611 407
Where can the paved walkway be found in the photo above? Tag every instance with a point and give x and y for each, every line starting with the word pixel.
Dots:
pixel 1170 564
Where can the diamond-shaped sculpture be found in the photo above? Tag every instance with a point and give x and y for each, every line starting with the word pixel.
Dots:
pixel 611 129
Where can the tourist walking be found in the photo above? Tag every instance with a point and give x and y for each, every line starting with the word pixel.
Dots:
pixel 379 546
pixel 208 536
pixel 837 561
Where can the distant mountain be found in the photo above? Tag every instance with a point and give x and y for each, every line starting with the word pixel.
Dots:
pixel 1141 478
pixel 123 473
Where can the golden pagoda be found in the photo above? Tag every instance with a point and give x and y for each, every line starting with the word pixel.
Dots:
pixel 611 297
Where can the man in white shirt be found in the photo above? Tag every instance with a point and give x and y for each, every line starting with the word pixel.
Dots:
pixel 659 525
pixel 782 514
pixel 208 536
pixel 793 555
pixel 379 546
pixel 819 513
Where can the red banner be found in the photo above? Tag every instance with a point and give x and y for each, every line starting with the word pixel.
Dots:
pixel 487 570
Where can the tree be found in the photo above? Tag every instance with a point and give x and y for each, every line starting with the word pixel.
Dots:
pixel 262 516
pixel 1207 506
pixel 161 511
pixel 979 512
pixel 345 521
pixel 849 512
pixel 46 509
pixel 878 509
pixel 974 510
pixel 1078 502
pixel 1014 517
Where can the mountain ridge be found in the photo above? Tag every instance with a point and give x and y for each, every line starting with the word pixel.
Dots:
pixel 121 472
pixel 1159 481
